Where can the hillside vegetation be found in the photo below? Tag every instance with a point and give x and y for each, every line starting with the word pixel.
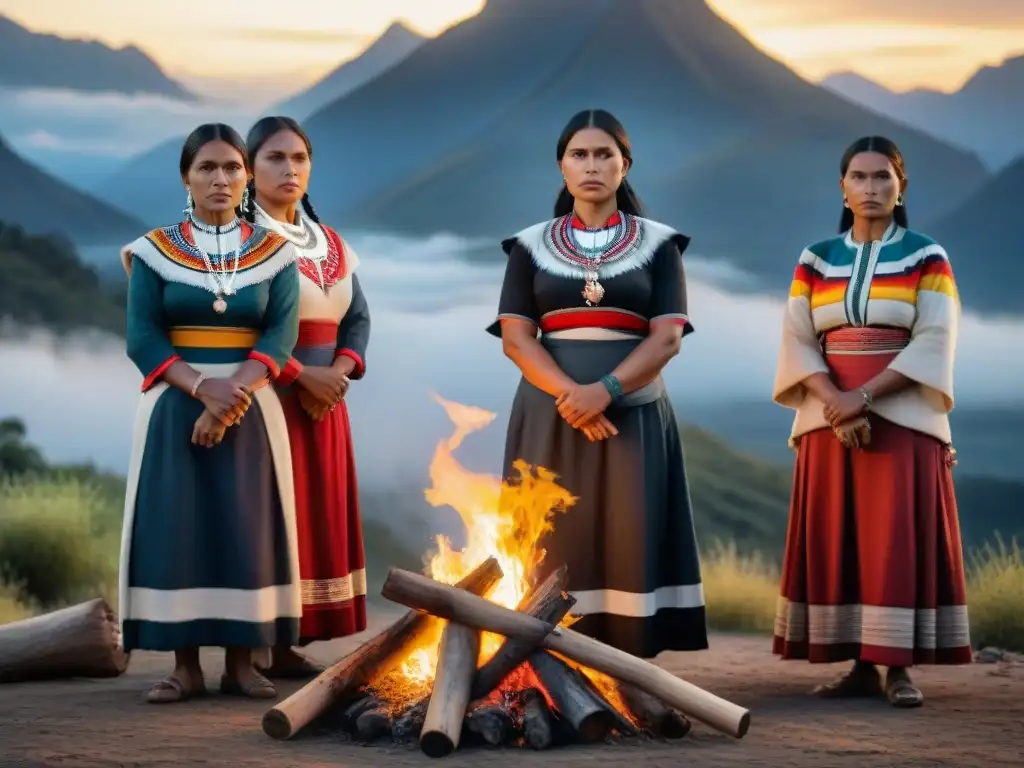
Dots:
pixel 44 284
pixel 60 533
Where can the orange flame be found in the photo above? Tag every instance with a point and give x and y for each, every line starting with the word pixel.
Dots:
pixel 504 520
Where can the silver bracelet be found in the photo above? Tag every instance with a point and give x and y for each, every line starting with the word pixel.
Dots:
pixel 195 385
pixel 868 398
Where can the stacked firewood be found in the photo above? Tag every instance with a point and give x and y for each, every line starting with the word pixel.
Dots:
pixel 535 690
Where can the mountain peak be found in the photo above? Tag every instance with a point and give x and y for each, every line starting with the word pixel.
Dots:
pixel 31 59
pixel 398 30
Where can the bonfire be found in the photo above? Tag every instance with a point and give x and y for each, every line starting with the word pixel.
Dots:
pixel 487 652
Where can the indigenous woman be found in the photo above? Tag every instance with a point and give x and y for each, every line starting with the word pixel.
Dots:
pixel 873 567
pixel 605 289
pixel 334 329
pixel 208 554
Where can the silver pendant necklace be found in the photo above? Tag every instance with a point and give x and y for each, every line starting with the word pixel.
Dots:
pixel 593 291
pixel 223 281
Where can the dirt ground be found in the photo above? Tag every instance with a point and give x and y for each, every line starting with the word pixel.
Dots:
pixel 973 716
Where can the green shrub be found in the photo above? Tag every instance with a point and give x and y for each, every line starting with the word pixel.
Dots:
pixel 52 551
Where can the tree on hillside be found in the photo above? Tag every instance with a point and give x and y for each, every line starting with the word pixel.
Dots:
pixel 43 283
pixel 17 457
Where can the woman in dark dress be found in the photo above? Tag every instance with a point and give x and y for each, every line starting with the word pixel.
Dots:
pixel 605 288
pixel 209 555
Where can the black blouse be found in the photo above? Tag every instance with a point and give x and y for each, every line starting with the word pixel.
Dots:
pixel 544 284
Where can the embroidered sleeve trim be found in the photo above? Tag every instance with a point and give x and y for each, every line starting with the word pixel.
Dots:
pixel 360 368
pixel 272 367
pixel 290 373
pixel 157 373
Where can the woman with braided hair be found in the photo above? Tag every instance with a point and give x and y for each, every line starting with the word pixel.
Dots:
pixel 334 328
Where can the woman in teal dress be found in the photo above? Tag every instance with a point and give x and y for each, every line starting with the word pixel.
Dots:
pixel 208 553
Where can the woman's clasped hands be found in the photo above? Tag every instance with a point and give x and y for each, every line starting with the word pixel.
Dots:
pixel 583 406
pixel 321 388
pixel 226 402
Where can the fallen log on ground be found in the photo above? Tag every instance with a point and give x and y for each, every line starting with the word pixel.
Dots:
pixel 374 658
pixel 447 602
pixel 80 641
pixel 549 603
pixel 456 664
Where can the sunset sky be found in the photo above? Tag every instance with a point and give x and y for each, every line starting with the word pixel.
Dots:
pixel 904 44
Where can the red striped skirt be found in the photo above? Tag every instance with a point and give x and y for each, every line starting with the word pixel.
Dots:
pixel 331 558
pixel 873 568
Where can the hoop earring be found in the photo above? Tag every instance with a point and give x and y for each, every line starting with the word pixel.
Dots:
pixel 245 200
pixel 190 204
pixel 899 200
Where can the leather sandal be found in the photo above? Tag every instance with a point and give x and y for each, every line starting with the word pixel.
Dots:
pixel 257 688
pixel 902 693
pixel 171 690
pixel 304 669
pixel 853 685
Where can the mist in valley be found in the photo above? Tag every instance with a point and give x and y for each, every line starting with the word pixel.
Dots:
pixel 430 306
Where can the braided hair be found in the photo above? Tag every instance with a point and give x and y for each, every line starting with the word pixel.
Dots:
pixel 258 135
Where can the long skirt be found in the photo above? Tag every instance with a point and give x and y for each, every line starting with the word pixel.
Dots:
pixel 327 513
pixel 873 568
pixel 208 550
pixel 628 540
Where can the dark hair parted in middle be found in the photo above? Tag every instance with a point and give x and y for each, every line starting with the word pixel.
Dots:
pixel 625 198
pixel 203 135
pixel 261 131
pixel 881 146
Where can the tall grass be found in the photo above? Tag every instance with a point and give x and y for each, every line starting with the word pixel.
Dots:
pixel 59 540
pixel 995 595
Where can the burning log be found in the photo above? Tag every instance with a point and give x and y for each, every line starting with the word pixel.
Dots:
pixel 80 641
pixel 351 713
pixel 654 716
pixel 374 658
pixel 447 602
pixel 373 723
pixel 549 603
pixel 574 698
pixel 456 663
pixel 492 723
pixel 409 725
pixel 538 726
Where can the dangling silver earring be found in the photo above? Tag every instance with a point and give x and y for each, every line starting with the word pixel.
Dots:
pixel 245 200
pixel 846 203
pixel 899 200
pixel 190 204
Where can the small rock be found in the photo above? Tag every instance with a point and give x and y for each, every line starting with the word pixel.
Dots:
pixel 990 655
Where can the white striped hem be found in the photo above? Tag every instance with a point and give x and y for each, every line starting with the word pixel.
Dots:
pixel 637 605
pixel 339 590
pixel 174 606
pixel 906 628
